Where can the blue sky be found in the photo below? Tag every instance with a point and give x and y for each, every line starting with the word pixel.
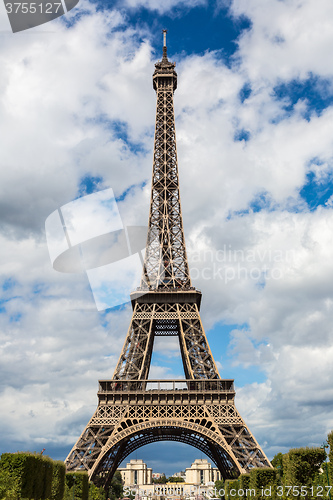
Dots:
pixel 254 111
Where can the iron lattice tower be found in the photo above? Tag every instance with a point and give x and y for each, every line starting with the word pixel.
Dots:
pixel 132 410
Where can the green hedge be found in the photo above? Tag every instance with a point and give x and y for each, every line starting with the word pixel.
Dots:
pixel 48 481
pixel 262 481
pixel 58 481
pixel 233 486
pixel 31 473
pixel 9 488
pixel 77 483
pixel 17 466
pixel 33 476
pixel 262 477
pixel 244 481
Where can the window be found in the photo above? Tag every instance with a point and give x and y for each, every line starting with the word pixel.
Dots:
pixel 201 477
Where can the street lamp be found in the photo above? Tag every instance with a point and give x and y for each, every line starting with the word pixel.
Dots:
pixel 323 446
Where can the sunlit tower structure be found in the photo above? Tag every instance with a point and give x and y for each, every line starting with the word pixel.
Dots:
pixel 199 410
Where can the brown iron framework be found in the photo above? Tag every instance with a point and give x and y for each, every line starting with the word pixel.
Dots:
pixel 133 410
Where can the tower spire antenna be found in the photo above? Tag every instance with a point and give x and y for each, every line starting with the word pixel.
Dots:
pixel 165 56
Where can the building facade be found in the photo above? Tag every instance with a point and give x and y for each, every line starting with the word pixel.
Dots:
pixel 199 482
pixel 136 472
pixel 201 472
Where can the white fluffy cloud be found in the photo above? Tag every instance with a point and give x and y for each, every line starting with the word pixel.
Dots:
pixel 56 123
pixel 288 39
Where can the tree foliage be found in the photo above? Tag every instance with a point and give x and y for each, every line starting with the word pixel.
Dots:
pixel 300 465
pixel 160 480
pixel 277 463
pixel 330 456
pixel 173 479
pixel 116 487
pixel 96 493
pixel 219 488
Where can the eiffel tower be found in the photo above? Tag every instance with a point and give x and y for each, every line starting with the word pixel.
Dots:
pixel 133 410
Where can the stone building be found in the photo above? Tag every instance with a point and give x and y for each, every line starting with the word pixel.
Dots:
pixel 136 472
pixel 199 482
pixel 201 472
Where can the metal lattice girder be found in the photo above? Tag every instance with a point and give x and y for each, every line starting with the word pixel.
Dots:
pixel 132 410
pixel 166 263
pixel 200 413
pixel 150 320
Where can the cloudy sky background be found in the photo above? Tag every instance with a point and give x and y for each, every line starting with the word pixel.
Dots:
pixel 254 112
